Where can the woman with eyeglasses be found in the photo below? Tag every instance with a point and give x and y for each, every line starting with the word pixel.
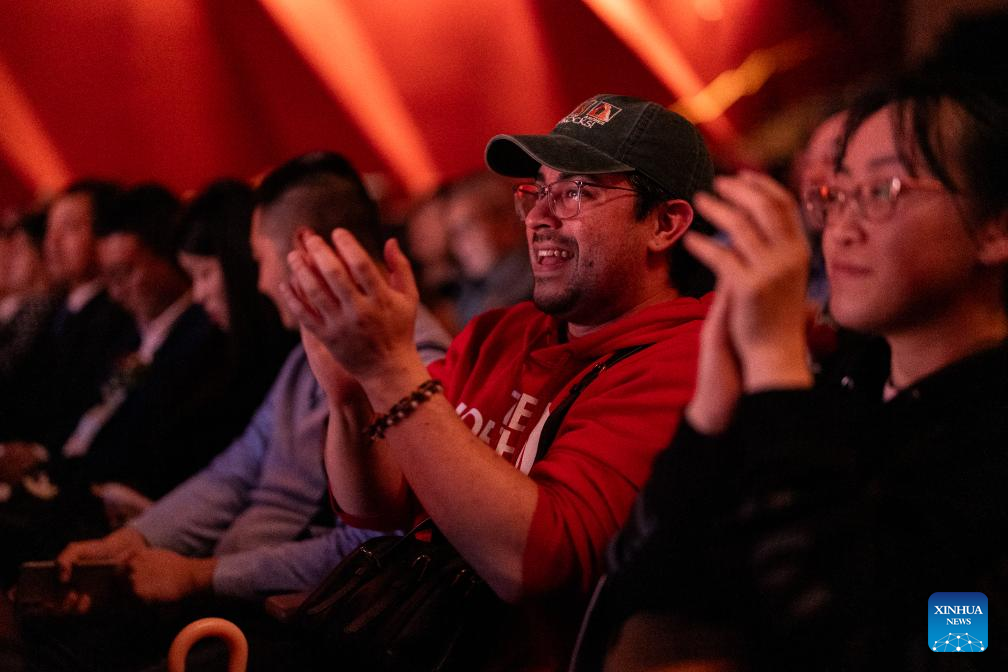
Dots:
pixel 803 524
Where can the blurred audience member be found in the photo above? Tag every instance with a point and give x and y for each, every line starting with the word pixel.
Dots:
pixel 257 521
pixel 216 254
pixel 62 376
pixel 157 419
pixel 25 302
pixel 487 241
pixel 815 166
pixel 426 238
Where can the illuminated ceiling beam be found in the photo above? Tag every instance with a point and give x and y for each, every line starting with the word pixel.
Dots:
pixel 23 138
pixel 749 77
pixel 336 45
pixel 640 29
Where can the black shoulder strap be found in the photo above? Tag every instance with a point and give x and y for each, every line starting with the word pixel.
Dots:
pixel 552 424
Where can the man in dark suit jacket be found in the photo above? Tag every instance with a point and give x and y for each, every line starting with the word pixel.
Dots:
pixel 156 420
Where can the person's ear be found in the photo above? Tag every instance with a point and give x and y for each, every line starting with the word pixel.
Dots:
pixel 993 241
pixel 671 221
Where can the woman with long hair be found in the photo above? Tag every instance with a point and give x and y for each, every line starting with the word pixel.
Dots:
pixel 216 253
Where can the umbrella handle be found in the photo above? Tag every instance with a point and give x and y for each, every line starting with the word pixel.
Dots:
pixel 209 627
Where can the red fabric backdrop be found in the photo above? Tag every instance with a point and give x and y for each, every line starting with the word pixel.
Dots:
pixel 186 90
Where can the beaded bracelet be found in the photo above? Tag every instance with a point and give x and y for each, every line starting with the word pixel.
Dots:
pixel 403 408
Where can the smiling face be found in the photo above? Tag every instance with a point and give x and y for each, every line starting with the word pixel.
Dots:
pixel 591 268
pixel 914 266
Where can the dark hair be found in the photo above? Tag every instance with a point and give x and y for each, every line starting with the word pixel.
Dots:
pixel 103 195
pixel 151 212
pixel 333 195
pixel 920 99
pixel 33 223
pixel 974 45
pixel 686 272
pixel 216 223
pixel 976 102
pixel 979 151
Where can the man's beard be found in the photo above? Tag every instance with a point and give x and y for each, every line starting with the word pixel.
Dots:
pixel 562 303
pixel 558 305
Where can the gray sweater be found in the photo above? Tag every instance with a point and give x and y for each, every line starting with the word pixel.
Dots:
pixel 256 506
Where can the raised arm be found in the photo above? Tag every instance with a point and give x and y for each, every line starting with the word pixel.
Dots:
pixel 754 339
pixel 365 319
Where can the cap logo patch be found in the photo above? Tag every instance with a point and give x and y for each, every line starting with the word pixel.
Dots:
pixel 591 113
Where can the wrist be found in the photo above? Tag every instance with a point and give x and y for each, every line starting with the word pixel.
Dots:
pixel 403 408
pixel 395 379
pixel 129 538
pixel 781 367
pixel 201 571
pixel 708 420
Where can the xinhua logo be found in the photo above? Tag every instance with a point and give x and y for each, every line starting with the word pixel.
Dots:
pixel 957 622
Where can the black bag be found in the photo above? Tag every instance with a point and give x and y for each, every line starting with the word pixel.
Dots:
pixel 411 603
pixel 402 603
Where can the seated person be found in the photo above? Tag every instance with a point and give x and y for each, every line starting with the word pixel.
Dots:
pixel 157 421
pixel 26 303
pixel 488 244
pixel 426 239
pixel 61 376
pixel 56 381
pixel 253 523
pixel 217 255
pixel 794 526
pixel 604 206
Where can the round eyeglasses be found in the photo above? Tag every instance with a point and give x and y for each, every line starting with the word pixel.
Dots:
pixel 875 201
pixel 563 197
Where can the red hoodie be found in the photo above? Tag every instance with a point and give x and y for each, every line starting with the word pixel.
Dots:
pixel 509 367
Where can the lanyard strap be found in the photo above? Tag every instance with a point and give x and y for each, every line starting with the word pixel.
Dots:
pixel 552 424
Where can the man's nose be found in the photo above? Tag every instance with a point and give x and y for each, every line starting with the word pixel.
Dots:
pixel 541 215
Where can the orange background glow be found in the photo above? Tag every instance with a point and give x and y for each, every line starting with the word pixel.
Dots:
pixel 183 91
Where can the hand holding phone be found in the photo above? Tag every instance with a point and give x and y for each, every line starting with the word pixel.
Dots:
pixel 39 587
pixel 92 585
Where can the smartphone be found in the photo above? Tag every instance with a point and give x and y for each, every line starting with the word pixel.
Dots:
pixel 39 586
pixel 105 582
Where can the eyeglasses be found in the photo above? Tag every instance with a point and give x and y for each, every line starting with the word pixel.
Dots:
pixel 563 196
pixel 875 200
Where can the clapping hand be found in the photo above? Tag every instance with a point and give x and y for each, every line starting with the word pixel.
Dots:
pixel 363 315
pixel 755 335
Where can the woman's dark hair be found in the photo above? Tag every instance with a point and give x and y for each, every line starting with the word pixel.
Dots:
pixel 687 273
pixel 938 92
pixel 217 223
pixel 971 160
